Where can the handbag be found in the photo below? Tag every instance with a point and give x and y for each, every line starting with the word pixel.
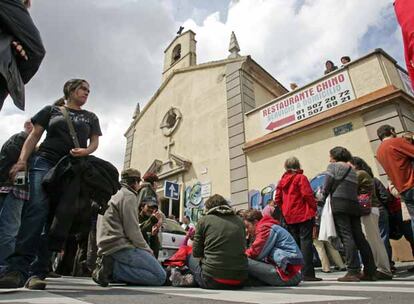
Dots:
pixel 327 229
pixel 365 203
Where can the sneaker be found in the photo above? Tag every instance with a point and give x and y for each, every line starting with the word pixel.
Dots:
pixel 35 283
pixel 383 276
pixel 349 277
pixel 103 271
pixel 12 279
pixel 311 279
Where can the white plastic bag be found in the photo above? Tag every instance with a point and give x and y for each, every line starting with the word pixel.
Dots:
pixel 327 229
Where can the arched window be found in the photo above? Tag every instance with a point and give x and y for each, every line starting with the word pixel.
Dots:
pixel 176 53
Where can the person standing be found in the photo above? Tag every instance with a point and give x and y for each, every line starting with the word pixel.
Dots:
pixel 57 144
pixel 13 194
pixel 124 255
pixel 342 185
pixel 294 196
pixel 21 50
pixel 187 225
pixel 396 156
pixel 366 186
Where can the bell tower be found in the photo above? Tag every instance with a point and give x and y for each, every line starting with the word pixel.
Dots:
pixel 181 53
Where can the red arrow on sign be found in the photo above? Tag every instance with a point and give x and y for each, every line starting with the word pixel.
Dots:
pixel 274 124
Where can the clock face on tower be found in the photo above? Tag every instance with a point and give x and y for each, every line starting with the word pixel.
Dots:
pixel 170 121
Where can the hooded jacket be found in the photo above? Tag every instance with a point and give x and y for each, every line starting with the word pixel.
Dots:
pixel 342 184
pixel 118 228
pixel 295 197
pixel 17 25
pixel 273 244
pixel 220 241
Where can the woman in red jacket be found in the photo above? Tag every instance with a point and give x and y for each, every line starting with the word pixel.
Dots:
pixel 294 196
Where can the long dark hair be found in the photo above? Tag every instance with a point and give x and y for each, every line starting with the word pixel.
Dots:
pixel 360 164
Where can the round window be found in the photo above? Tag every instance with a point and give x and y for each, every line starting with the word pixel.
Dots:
pixel 170 121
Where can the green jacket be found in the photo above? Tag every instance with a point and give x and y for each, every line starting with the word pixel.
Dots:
pixel 366 185
pixel 220 241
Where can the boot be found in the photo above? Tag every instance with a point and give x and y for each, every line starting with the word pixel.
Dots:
pixel 103 271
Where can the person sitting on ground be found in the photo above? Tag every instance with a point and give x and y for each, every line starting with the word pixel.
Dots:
pixel 219 260
pixel 150 222
pixel 330 67
pixel 345 60
pixel 294 196
pixel 274 256
pixel 123 253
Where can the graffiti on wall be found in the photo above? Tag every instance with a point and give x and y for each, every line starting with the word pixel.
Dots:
pixel 259 199
pixel 193 202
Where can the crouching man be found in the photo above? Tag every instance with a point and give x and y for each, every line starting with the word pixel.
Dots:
pixel 124 256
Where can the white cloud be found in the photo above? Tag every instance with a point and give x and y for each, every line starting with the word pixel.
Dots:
pixel 291 43
pixel 118 46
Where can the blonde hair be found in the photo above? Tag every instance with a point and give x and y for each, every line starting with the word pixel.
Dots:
pixel 292 164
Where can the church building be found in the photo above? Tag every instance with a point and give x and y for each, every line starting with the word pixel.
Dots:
pixel 227 126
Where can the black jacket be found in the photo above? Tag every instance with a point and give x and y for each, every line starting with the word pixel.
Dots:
pixel 382 193
pixel 16 24
pixel 9 155
pixel 72 185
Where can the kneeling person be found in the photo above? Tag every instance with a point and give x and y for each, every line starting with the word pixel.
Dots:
pixel 123 253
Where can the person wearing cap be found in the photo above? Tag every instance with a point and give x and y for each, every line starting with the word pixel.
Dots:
pixel 150 219
pixel 124 255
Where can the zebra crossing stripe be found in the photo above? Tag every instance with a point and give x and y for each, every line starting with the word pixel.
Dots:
pixel 247 295
pixel 37 297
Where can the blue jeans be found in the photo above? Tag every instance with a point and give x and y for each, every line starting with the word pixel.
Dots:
pixel 408 197
pixel 10 218
pixel 384 227
pixel 33 221
pixel 137 266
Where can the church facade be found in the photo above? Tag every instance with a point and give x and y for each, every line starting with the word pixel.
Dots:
pixel 227 126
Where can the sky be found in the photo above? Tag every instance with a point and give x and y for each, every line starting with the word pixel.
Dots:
pixel 118 46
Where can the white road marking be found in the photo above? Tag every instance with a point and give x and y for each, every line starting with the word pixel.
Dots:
pixel 379 288
pixel 248 295
pixel 37 297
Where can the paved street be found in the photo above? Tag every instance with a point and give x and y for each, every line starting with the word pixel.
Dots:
pixel 84 291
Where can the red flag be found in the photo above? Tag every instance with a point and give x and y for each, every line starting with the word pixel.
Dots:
pixel 404 9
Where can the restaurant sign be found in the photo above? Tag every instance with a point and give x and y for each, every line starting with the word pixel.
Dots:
pixel 310 101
